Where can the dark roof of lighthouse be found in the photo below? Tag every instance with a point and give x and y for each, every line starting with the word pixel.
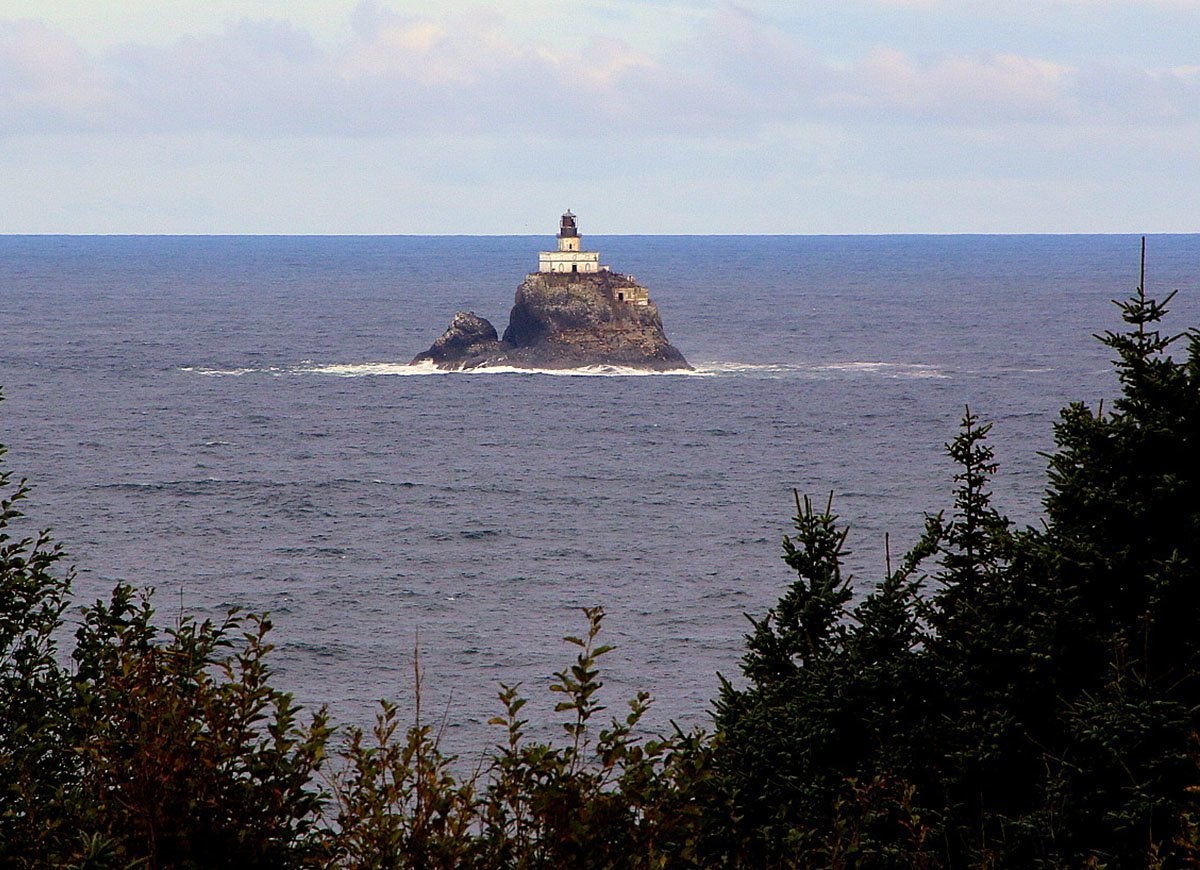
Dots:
pixel 567 227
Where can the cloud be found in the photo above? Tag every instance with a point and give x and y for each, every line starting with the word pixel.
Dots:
pixel 965 88
pixel 1135 96
pixel 1041 6
pixel 48 81
pixel 781 72
pixel 461 74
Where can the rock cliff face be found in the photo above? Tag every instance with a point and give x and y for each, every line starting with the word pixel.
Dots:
pixel 561 321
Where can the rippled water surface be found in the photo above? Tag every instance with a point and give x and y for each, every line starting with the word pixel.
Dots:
pixel 231 421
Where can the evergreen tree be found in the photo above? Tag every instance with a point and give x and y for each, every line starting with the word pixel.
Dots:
pixel 1040 705
pixel 814 754
pixel 1120 550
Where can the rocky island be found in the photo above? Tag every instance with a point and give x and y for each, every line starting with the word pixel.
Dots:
pixel 571 313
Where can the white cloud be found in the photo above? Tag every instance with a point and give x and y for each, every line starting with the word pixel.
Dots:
pixel 1042 6
pixel 692 115
pixel 47 80
pixel 993 88
pixel 467 74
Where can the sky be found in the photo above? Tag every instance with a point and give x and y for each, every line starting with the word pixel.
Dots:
pixel 642 116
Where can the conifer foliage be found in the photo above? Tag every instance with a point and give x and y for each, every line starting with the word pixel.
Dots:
pixel 1010 697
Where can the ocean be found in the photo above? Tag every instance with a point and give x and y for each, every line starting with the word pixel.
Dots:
pixel 230 421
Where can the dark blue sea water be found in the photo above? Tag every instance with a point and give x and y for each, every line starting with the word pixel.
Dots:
pixel 226 419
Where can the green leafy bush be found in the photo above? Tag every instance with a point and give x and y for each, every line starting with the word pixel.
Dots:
pixel 604 797
pixel 35 759
pixel 188 756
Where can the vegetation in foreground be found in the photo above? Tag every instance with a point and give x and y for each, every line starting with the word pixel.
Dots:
pixel 1004 697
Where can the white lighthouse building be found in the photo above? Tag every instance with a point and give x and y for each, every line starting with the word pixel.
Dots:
pixel 568 257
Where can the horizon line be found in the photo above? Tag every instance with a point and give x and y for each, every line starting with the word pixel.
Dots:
pixel 280 235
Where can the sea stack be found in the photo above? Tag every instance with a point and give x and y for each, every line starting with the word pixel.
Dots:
pixel 571 313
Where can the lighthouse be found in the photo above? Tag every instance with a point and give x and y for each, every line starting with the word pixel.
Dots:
pixel 569 257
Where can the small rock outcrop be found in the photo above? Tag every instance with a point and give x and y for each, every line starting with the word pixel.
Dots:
pixel 468 337
pixel 564 320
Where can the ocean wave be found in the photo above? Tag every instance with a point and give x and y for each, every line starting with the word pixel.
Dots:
pixel 368 369
pixel 703 369
pixel 821 370
pixel 219 373
pixel 600 371
pixel 886 369
pixel 397 369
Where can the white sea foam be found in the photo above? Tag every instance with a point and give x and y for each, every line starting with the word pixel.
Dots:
pixel 739 368
pixel 219 373
pixel 821 370
pixel 361 370
pixel 702 369
pixel 351 370
pixel 886 369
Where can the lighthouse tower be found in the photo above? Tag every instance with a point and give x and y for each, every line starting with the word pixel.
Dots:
pixel 568 257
